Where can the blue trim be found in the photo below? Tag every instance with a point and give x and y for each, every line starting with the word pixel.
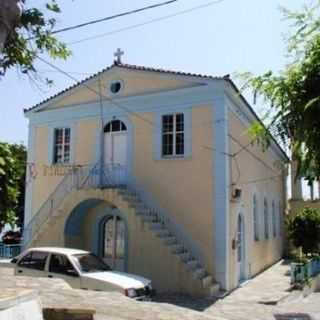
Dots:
pixel 144 103
pixel 50 145
pixel 157 143
pixel 29 180
pixel 74 224
pixel 198 91
pixel 221 181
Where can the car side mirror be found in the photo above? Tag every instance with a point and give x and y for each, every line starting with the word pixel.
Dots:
pixel 14 260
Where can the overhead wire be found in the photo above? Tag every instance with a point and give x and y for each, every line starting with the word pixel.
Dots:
pixel 99 94
pixel 134 26
pixel 117 104
pixel 119 15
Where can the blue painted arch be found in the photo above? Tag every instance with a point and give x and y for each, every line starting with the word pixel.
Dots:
pixel 73 231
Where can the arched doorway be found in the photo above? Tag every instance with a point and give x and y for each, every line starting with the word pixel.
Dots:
pixel 98 226
pixel 241 253
pixel 115 151
pixel 113 242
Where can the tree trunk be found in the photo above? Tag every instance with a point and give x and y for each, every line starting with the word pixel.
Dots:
pixel 10 13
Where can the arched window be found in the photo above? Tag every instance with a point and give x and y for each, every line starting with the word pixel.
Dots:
pixel 255 217
pixel 266 218
pixel 274 220
pixel 115 126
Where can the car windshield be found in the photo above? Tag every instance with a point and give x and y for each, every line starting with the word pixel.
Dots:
pixel 89 262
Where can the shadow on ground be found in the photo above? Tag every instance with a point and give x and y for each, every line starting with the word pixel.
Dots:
pixel 185 301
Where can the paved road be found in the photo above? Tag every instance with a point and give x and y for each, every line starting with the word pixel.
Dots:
pixel 55 293
pixel 259 299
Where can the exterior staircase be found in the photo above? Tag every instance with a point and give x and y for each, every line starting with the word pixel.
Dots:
pixel 158 226
pixel 159 222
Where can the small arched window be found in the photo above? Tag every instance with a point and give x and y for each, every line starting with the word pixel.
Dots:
pixel 274 220
pixel 115 126
pixel 255 217
pixel 266 218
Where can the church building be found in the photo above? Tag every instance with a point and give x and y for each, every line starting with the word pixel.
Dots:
pixel 154 171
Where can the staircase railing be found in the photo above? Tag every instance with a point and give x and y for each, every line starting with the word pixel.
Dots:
pixel 74 179
pixel 166 219
pixel 108 176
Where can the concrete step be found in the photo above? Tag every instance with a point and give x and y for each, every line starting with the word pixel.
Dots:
pixel 213 291
pixel 185 257
pixel 192 264
pixel 155 226
pixel 170 240
pixel 218 293
pixel 177 248
pixel 199 273
pixel 207 281
pixel 149 218
pixel 162 233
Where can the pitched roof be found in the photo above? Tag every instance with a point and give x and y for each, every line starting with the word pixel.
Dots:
pixel 163 71
pixel 128 67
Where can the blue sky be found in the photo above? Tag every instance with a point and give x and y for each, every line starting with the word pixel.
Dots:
pixel 231 36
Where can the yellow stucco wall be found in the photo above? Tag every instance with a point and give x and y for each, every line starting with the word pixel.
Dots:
pixel 46 179
pixel 245 173
pixel 135 82
pixel 184 187
pixel 147 254
pixel 48 176
pixel 181 186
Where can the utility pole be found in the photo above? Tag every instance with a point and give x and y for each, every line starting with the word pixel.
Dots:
pixel 10 13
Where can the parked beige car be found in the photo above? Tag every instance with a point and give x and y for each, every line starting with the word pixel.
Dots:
pixel 82 270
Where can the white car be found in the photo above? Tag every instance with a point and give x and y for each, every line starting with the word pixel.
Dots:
pixel 82 270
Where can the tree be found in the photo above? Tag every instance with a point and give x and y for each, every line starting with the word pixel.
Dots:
pixel 28 35
pixel 294 94
pixel 13 159
pixel 304 230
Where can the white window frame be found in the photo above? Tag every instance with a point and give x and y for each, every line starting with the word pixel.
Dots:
pixel 174 133
pixel 63 144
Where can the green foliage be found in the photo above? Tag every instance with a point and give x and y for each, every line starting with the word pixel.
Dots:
pixel 12 182
pixel 304 230
pixel 32 36
pixel 293 94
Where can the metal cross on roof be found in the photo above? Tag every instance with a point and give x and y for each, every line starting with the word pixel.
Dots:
pixel 118 54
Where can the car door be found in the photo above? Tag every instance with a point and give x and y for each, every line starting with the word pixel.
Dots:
pixel 32 264
pixel 61 267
